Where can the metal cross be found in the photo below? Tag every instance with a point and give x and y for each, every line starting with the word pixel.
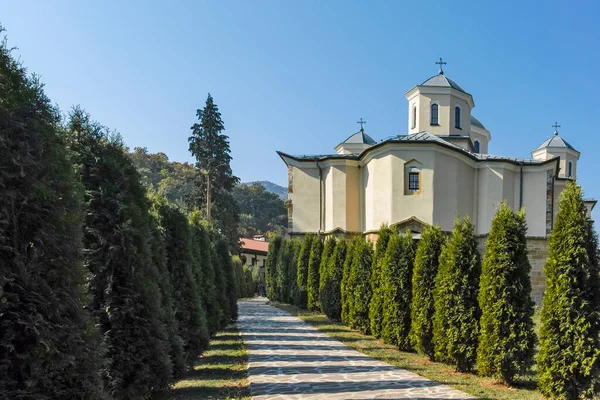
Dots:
pixel 556 126
pixel 441 63
pixel 361 122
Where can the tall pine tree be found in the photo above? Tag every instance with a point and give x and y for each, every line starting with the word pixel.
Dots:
pixel 396 278
pixel 211 149
pixel 457 312
pixel 423 284
pixel 45 334
pixel 376 305
pixel 507 339
pixel 568 363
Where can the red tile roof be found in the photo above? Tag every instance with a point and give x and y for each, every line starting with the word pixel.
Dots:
pixel 255 245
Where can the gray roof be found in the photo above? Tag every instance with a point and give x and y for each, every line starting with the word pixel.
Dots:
pixel 424 137
pixel 441 80
pixel 360 137
pixel 476 122
pixel 555 141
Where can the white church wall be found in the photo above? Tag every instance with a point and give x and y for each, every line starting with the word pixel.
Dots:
pixel 490 187
pixel 534 200
pixel 453 188
pixel 352 199
pixel 377 178
pixel 335 197
pixel 305 199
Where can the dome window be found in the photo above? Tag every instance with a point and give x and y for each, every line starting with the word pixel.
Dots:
pixel 476 146
pixel 414 117
pixel 457 117
pixel 570 169
pixel 434 114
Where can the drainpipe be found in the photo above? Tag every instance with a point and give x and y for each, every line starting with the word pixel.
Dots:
pixel 521 187
pixel 320 198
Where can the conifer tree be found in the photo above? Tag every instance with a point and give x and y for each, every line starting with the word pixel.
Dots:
pixel 283 261
pixel 568 362
pixel 210 147
pixel 188 305
pixel 302 271
pixel 507 339
pixel 396 279
pixel 205 272
pixel 46 337
pixel 423 284
pixel 312 285
pixel 221 285
pixel 271 268
pixel 226 264
pixel 457 312
pixel 330 295
pixel 124 296
pixel 376 306
pixel 345 289
pixel 159 258
pixel 292 268
pixel 328 249
pixel 359 286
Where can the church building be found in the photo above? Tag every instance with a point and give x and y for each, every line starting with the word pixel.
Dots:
pixel 440 169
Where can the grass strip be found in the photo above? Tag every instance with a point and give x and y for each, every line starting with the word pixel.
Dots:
pixel 486 388
pixel 221 372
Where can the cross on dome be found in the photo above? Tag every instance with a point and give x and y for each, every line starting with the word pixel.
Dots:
pixel 556 126
pixel 441 64
pixel 361 122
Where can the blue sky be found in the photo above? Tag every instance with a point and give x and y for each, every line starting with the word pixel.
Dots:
pixel 297 75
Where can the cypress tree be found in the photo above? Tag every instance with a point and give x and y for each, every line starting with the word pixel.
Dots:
pixel 226 264
pixel 312 285
pixel 47 340
pixel 396 278
pixel 359 286
pixel 188 305
pixel 345 289
pixel 271 268
pixel 283 261
pixel 456 315
pixel 568 362
pixel 292 269
pixel 376 306
pixel 221 286
pixel 507 339
pixel 328 249
pixel 302 269
pixel 423 284
pixel 205 273
pixel 159 258
pixel 124 296
pixel 331 295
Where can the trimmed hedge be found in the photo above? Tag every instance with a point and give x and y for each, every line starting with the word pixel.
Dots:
pixel 324 271
pixel 376 306
pixel 312 284
pixel 271 268
pixel 359 286
pixel 331 294
pixel 302 271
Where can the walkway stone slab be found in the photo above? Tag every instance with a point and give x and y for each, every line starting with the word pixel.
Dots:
pixel 289 359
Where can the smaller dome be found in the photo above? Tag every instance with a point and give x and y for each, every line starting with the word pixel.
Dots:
pixel 555 141
pixel 360 137
pixel 442 81
pixel 477 123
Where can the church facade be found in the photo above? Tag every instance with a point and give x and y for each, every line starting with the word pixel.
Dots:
pixel 440 169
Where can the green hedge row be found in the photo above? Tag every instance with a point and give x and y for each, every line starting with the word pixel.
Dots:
pixel 104 292
pixel 436 297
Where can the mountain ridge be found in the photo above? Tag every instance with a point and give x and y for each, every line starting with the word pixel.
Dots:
pixel 273 188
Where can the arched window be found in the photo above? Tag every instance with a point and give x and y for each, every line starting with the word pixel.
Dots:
pixel 457 117
pixel 414 117
pixel 570 169
pixel 434 114
pixel 476 146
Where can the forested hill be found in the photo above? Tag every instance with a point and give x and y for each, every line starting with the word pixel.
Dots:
pixel 273 188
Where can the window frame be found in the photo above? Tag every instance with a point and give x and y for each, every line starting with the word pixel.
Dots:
pixel 477 146
pixel 570 169
pixel 414 116
pixel 437 114
pixel 411 181
pixel 458 116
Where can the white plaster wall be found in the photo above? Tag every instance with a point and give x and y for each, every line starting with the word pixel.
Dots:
pixel 491 184
pixel 377 178
pixel 352 199
pixel 305 199
pixel 534 200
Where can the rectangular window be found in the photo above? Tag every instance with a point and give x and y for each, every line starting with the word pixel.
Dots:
pixel 413 181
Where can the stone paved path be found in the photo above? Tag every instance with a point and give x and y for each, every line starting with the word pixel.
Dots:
pixel 289 359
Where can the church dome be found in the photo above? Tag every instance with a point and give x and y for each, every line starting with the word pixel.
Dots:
pixel 476 122
pixel 441 80
pixel 360 137
pixel 555 141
